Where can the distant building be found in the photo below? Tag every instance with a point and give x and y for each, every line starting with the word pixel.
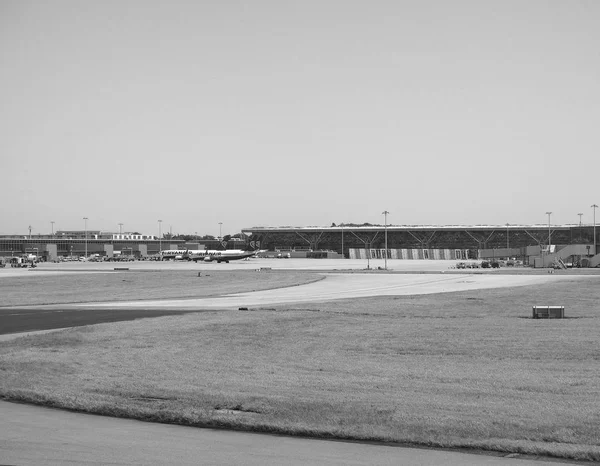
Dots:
pixel 77 243
pixel 98 234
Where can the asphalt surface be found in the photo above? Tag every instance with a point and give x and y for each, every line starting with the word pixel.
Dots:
pixel 31 435
pixel 19 320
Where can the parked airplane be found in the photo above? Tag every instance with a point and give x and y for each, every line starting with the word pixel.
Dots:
pixel 176 254
pixel 220 256
pixel 206 255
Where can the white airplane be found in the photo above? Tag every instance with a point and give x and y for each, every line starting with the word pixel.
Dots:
pixel 210 255
pixel 176 254
pixel 225 255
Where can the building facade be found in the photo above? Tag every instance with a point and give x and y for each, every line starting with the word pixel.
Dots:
pixel 81 243
pixel 492 240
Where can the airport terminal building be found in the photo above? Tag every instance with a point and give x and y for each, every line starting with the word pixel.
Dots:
pixel 80 243
pixel 451 242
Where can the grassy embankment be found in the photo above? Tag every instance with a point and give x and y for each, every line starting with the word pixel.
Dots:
pixel 466 369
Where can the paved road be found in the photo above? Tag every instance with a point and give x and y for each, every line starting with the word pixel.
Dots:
pixel 32 435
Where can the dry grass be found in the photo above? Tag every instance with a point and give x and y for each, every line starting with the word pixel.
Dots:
pixel 132 285
pixel 463 370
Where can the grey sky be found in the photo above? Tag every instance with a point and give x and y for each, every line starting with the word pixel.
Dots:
pixel 297 113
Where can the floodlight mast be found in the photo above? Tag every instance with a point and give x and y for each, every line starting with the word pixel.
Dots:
pixel 385 254
pixel 85 220
pixel 159 236
pixel 549 233
pixel 594 206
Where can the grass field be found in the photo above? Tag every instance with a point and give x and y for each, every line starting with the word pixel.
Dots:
pixel 467 369
pixel 127 286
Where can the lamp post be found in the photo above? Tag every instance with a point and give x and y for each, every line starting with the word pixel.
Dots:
pixel 385 214
pixel 159 236
pixel 120 228
pixel 85 220
pixel 549 232
pixel 343 257
pixel 52 223
pixel 507 243
pixel 594 206
pixel 580 214
pixel 220 230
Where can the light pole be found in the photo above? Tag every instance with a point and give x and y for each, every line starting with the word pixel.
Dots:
pixel 580 214
pixel 385 214
pixel 343 257
pixel 549 232
pixel 85 220
pixel 52 223
pixel 507 244
pixel 159 237
pixel 120 228
pixel 594 206
pixel 220 230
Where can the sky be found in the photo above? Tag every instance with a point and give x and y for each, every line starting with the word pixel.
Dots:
pixel 214 116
